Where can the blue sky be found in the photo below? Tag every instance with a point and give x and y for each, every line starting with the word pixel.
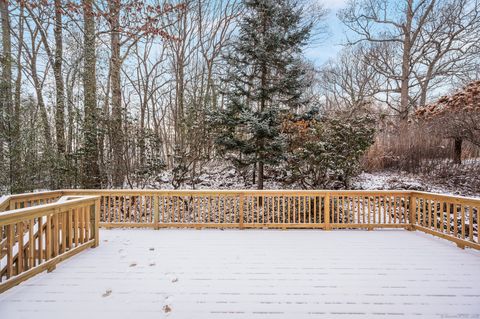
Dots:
pixel 319 53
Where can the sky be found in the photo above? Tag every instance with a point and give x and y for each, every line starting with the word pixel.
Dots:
pixel 321 52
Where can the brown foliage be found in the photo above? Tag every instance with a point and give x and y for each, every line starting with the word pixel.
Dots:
pixel 456 116
pixel 465 100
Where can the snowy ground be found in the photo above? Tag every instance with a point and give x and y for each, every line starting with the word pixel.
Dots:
pixel 218 175
pixel 256 274
pixel 402 180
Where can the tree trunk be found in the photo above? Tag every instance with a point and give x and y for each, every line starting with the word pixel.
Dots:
pixel 141 140
pixel 41 104
pixel 103 121
pixel 263 89
pixel 17 158
pixel 260 174
pixel 11 125
pixel 115 69
pixel 59 86
pixel 254 173
pixel 91 171
pixel 70 104
pixel 457 150
pixel 423 94
pixel 405 77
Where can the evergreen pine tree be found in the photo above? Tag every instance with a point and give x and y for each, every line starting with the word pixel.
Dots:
pixel 266 78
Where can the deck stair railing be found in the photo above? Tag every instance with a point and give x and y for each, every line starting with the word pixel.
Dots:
pixel 39 231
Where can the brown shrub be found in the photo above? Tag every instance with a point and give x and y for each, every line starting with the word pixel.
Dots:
pixel 413 148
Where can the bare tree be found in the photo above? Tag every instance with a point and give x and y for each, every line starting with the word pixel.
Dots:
pixel 128 23
pixel 414 44
pixel 42 14
pixel 349 82
pixel 31 52
pixel 450 47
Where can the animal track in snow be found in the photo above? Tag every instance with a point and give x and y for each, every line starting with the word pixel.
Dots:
pixel 167 309
pixel 107 293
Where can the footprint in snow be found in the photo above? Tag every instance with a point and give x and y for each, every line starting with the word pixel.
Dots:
pixel 171 276
pixel 152 249
pixel 122 253
pixel 167 309
pixel 151 263
pixel 133 264
pixel 107 293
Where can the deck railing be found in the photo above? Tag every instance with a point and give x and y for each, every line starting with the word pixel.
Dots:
pixel 29 200
pixel 451 217
pixel 38 232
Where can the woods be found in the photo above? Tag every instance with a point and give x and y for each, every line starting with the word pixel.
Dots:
pixel 120 93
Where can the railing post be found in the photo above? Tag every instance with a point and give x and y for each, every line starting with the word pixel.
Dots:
pixel 240 224
pixel 412 210
pixel 10 244
pixel 156 212
pixel 327 212
pixel 97 222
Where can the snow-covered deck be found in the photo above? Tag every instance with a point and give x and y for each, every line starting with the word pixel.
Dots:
pixel 256 274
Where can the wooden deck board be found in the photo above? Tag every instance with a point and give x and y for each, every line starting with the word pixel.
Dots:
pixel 256 274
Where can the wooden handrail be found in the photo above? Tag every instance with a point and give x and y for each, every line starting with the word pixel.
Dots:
pixel 454 218
pixel 36 238
pixel 28 199
pixel 225 192
pixel 18 215
pixel 324 209
pixel 452 198
pixel 245 208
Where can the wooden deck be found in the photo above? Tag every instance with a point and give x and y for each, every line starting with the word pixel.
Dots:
pixel 249 274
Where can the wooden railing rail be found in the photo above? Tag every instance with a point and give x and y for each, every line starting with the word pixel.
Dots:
pixel 35 238
pixel 454 218
pixel 29 200
pixel 252 209
pixel 432 213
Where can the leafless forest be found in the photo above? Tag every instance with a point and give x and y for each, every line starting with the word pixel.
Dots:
pixel 138 94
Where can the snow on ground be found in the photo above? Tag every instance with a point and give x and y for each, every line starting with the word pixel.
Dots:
pixel 218 175
pixel 256 274
pixel 214 175
pixel 385 180
pixel 401 180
